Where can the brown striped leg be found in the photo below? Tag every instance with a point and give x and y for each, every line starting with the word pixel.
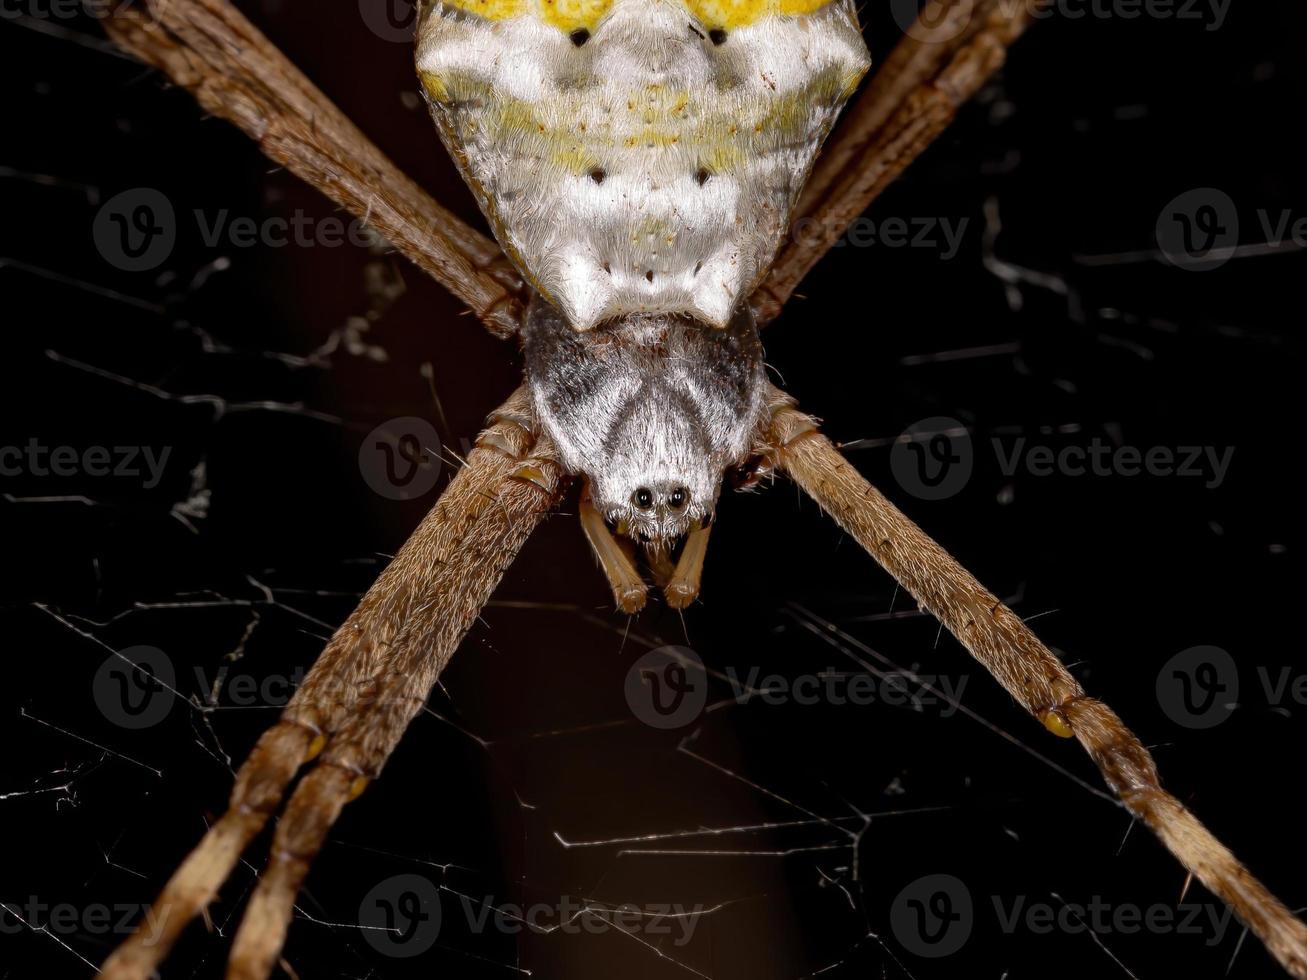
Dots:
pixel 1006 647
pixel 210 49
pixel 356 702
pixel 954 48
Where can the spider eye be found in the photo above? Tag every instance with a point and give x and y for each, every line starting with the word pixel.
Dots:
pixel 678 498
pixel 642 498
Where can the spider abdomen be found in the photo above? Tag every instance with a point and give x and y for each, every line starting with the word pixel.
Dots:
pixel 639 157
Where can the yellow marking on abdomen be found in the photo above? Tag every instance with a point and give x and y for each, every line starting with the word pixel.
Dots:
pixel 571 15
pixel 566 15
pixel 730 14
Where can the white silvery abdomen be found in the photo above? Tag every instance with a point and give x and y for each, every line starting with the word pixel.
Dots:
pixel 639 156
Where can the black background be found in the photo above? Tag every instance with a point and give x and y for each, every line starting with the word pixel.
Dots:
pixel 1094 126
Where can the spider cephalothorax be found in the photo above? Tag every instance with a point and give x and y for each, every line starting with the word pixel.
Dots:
pixel 651 409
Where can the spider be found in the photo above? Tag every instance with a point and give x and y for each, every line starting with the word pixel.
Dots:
pixel 377 670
